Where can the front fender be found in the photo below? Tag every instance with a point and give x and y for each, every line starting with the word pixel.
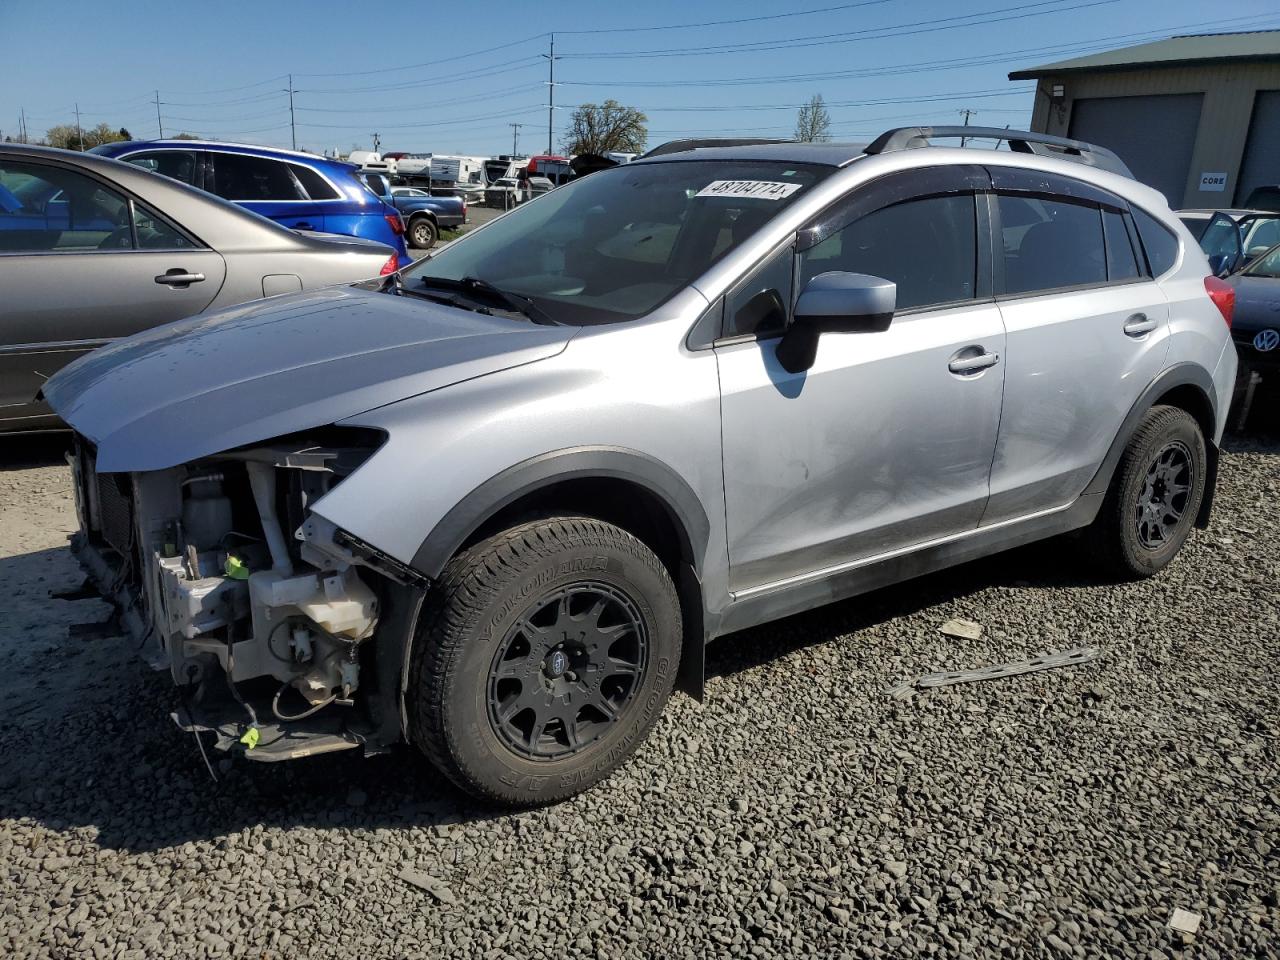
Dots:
pixel 573 463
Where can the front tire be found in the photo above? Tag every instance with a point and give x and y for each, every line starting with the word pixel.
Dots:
pixel 1154 497
pixel 543 658
pixel 422 234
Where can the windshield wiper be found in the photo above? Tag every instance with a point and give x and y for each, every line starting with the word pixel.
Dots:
pixel 477 289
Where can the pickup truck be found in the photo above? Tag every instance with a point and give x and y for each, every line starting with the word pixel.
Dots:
pixel 424 216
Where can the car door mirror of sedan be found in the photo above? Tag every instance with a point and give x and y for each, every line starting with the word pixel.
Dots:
pixel 835 302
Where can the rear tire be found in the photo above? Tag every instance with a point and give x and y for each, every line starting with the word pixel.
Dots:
pixel 543 658
pixel 422 233
pixel 1154 497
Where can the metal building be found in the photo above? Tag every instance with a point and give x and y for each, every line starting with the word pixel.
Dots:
pixel 1197 117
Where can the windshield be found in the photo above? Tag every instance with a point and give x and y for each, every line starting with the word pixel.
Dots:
pixel 615 245
pixel 1267 265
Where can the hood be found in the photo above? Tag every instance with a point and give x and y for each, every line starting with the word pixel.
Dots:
pixel 258 371
pixel 1257 302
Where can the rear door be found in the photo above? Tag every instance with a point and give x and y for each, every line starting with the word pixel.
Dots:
pixel 83 263
pixel 1087 330
pixel 270 187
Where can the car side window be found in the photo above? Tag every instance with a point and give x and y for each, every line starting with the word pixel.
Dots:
pixel 1122 261
pixel 1158 240
pixel 47 208
pixel 317 187
pixel 154 233
pixel 927 246
pixel 176 164
pixel 760 304
pixel 1050 244
pixel 239 177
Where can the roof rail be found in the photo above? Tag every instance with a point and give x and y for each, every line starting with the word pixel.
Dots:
pixel 1020 141
pixel 679 146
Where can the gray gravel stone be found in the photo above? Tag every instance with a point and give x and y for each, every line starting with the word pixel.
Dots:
pixel 1056 814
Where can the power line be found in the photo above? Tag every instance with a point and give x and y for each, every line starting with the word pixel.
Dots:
pixel 854 36
pixel 898 67
pixel 735 21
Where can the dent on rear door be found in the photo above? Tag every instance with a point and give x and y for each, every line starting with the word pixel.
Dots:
pixel 1072 374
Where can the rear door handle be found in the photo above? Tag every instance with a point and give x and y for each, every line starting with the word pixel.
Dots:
pixel 177 277
pixel 303 226
pixel 1138 325
pixel 965 366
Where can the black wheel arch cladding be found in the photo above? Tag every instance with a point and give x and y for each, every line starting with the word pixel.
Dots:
pixel 1182 385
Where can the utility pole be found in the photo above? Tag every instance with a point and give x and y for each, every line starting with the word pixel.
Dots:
pixel 22 124
pixel 551 93
pixel 79 132
pixel 159 122
pixel 377 142
pixel 293 130
pixel 966 113
pixel 515 138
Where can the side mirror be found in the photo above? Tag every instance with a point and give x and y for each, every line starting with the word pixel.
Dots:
pixel 1221 264
pixel 835 302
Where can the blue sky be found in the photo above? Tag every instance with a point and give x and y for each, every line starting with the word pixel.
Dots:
pixel 452 77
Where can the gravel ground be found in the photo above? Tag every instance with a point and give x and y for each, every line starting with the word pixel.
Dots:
pixel 799 811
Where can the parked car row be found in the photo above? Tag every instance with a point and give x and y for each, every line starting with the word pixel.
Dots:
pixel 297 190
pixel 1243 247
pixel 93 249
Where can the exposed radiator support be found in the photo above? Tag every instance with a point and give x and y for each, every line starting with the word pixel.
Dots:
pixel 262 478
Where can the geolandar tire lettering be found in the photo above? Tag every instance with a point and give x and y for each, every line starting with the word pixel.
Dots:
pixel 1154 497
pixel 544 657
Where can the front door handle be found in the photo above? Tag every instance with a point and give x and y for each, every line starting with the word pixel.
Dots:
pixel 1138 325
pixel 177 277
pixel 964 366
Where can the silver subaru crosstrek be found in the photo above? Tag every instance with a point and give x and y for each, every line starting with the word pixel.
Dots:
pixel 497 504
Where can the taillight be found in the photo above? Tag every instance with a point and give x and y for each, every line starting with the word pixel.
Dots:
pixel 397 225
pixel 1223 296
pixel 390 267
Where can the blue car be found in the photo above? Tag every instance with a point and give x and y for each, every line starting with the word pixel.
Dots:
pixel 297 190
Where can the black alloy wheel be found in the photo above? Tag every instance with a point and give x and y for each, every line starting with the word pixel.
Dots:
pixel 1165 492
pixel 567 670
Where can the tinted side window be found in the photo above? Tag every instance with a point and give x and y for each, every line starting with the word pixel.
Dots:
pixel 176 164
pixel 316 186
pixel 238 177
pixel 761 303
pixel 51 208
pixel 928 247
pixel 1050 244
pixel 1161 245
pixel 1122 263
pixel 155 233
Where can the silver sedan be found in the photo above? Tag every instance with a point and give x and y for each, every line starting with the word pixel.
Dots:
pixel 93 249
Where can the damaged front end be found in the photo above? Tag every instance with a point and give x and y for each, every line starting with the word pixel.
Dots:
pixel 285 635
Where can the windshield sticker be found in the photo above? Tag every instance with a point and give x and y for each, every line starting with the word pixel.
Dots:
pixel 752 189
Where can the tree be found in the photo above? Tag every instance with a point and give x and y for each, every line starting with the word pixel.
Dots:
pixel 67 136
pixel 813 123
pixel 607 127
pixel 186 136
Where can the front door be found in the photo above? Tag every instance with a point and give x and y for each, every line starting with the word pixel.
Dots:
pixel 83 264
pixel 886 442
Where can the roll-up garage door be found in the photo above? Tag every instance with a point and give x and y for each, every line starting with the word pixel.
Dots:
pixel 1153 135
pixel 1261 164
